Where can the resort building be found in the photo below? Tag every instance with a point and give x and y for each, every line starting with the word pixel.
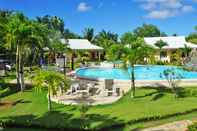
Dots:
pixel 77 45
pixel 173 44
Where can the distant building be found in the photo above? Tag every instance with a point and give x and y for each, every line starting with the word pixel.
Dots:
pixel 174 43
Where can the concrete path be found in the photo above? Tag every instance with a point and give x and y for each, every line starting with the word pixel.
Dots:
pixel 174 126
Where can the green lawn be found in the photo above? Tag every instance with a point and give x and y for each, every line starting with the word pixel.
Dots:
pixel 30 108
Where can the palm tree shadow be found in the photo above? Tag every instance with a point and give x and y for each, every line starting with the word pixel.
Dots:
pixel 57 120
pixel 158 93
pixel 158 96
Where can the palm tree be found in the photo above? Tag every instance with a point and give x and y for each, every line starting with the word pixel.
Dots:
pixel 19 34
pixel 52 22
pixel 52 81
pixel 160 44
pixel 134 50
pixel 114 53
pixel 106 39
pixel 88 34
pixel 186 51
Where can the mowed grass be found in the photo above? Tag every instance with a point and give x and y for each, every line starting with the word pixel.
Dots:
pixel 30 107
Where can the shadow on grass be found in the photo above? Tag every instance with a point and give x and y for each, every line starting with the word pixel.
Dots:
pixel 161 90
pixel 56 120
pixel 20 101
pixel 158 92
pixel 11 88
pixel 14 103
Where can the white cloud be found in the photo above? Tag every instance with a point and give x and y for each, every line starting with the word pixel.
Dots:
pixel 162 9
pixel 188 8
pixel 83 7
pixel 161 14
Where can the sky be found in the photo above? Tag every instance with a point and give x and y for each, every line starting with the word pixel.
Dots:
pixel 119 16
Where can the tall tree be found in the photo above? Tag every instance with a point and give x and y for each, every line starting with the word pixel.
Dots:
pixel 70 35
pixel 160 44
pixel 52 22
pixel 148 30
pixel 106 39
pixel 56 27
pixel 19 33
pixel 134 50
pixel 114 53
pixel 4 18
pixel 88 34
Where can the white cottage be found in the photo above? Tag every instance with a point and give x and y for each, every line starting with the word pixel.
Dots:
pixel 173 43
pixel 82 45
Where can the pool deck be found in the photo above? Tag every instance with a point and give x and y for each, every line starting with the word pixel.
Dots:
pixel 91 100
pixel 124 85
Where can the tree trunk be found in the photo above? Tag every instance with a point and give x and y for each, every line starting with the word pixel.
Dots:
pixel 133 81
pixel 64 66
pixel 49 100
pixel 72 62
pixel 160 55
pixel 17 66
pixel 21 70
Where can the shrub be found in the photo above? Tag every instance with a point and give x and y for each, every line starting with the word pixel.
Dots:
pixel 173 79
pixel 193 127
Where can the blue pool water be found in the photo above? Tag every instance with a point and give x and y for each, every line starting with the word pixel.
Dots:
pixel 150 72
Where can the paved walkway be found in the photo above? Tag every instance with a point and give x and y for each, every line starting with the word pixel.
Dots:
pixel 174 126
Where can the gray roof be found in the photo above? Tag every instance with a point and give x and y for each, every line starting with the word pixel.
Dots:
pixel 174 42
pixel 81 44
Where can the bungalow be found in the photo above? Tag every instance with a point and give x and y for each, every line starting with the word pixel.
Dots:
pixel 173 43
pixel 82 45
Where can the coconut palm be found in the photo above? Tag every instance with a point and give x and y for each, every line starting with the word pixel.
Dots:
pixel 52 81
pixel 186 50
pixel 134 51
pixel 160 44
pixel 52 22
pixel 106 39
pixel 88 34
pixel 19 34
pixel 114 53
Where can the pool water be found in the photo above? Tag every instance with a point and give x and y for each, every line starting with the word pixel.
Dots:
pixel 147 72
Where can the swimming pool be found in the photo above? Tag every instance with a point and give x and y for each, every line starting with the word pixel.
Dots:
pixel 142 72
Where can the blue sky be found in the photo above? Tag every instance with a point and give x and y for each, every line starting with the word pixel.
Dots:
pixel 171 16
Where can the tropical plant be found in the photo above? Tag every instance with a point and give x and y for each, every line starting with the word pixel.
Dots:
pixel 192 38
pixel 148 30
pixel 173 78
pixel 106 39
pixel 160 44
pixel 186 50
pixel 52 22
pixel 52 81
pixel 70 35
pixel 135 50
pixel 19 35
pixel 176 57
pixel 193 127
pixel 114 53
pixel 88 34
pixel 56 27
